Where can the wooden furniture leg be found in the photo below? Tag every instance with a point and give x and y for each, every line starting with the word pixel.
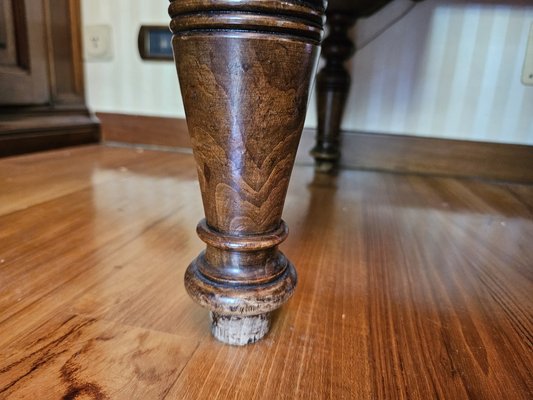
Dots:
pixel 244 69
pixel 333 86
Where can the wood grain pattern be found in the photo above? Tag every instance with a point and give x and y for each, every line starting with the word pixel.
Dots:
pixel 410 287
pixel 245 70
pixel 63 24
pixel 69 347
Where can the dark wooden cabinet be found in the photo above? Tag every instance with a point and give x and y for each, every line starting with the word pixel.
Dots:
pixel 41 77
pixel 23 67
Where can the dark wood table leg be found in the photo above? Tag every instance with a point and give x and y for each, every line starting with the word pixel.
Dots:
pixel 245 69
pixel 333 86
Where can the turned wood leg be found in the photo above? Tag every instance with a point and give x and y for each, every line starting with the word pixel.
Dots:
pixel 333 86
pixel 245 69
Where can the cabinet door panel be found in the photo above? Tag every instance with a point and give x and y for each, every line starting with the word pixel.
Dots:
pixel 23 53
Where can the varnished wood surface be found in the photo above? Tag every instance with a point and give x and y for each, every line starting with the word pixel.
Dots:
pixel 415 154
pixel 142 129
pixel 409 287
pixel 42 102
pixel 24 133
pixel 245 112
pixel 374 151
pixel 333 85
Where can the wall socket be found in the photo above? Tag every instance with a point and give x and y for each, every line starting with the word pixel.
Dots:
pixel 527 72
pixel 97 43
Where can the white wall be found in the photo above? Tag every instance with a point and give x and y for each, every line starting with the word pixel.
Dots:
pixel 127 84
pixel 447 69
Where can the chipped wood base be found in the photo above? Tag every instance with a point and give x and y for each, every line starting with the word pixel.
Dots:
pixel 239 331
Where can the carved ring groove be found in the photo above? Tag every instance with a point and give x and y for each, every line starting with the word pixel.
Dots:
pixel 242 243
pixel 279 17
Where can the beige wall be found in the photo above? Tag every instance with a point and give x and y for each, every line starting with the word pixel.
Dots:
pixel 448 69
pixel 126 83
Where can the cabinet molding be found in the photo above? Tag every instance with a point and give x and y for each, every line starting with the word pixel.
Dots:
pixel 42 97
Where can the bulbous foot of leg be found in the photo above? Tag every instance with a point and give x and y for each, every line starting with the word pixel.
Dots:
pixel 239 330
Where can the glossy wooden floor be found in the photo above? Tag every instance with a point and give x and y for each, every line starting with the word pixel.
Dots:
pixel 410 287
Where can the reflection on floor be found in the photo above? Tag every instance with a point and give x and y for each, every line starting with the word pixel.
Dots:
pixel 409 286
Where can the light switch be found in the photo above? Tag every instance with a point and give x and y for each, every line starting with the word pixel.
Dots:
pixel 527 72
pixel 155 43
pixel 98 43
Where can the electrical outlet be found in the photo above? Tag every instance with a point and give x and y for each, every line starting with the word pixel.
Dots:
pixel 527 72
pixel 98 43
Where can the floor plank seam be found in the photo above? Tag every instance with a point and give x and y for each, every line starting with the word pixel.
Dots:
pixel 165 394
pixel 114 251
